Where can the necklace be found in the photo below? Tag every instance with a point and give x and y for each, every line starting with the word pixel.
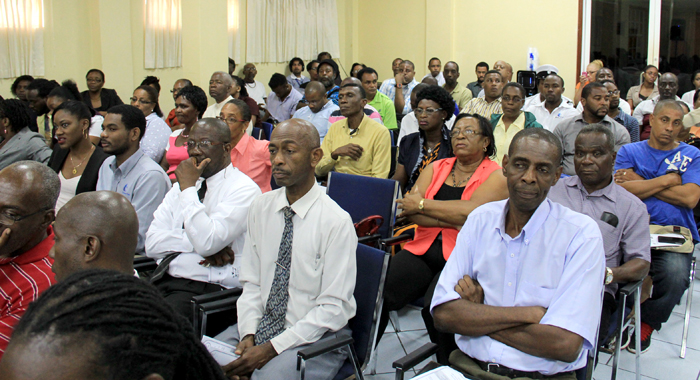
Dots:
pixel 75 167
pixel 454 180
pixel 253 82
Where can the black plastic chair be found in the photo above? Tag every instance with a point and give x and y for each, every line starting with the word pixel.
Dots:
pixel 371 271
pixel 211 303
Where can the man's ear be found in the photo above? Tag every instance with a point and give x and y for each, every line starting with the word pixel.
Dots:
pixel 153 376
pixel 93 246
pixel 316 156
pixel 134 134
pixel 504 162
pixel 49 218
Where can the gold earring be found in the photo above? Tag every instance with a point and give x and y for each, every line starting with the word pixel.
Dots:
pixel 485 149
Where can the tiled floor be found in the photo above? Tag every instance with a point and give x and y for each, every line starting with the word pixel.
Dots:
pixel 661 362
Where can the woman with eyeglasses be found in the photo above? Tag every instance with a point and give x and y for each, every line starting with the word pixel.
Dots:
pixel 417 150
pixel 444 195
pixel 97 97
pixel 190 104
pixel 249 155
pixel 155 139
pixel 647 89
pixel 76 160
pixel 513 119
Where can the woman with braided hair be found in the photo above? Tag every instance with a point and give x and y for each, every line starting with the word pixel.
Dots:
pixel 101 324
pixel 17 141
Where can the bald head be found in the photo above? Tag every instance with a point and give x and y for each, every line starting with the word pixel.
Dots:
pixel 505 68
pixel 315 86
pixel 216 129
pixel 28 192
pixel 301 131
pixel 349 80
pixel 668 86
pixel 294 153
pixel 97 229
pixel 430 81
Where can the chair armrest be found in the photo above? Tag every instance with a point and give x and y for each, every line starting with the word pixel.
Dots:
pixel 143 263
pixel 216 296
pixel 320 348
pixel 219 305
pixel 631 287
pixel 396 240
pixel 414 358
pixel 369 239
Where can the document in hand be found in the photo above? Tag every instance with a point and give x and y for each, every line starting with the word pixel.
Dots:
pixel 441 373
pixel 223 353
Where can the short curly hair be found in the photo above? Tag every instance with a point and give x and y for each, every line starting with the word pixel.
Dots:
pixel 196 96
pixel 440 96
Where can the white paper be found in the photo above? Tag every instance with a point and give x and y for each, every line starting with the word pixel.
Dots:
pixel 441 373
pixel 223 353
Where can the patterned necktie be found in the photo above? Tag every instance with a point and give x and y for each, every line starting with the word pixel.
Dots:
pixel 272 322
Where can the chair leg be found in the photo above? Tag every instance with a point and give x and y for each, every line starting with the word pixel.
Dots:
pixel 688 305
pixel 638 334
pixel 621 331
pixel 394 317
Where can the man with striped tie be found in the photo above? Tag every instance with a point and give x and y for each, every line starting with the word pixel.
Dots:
pixel 298 268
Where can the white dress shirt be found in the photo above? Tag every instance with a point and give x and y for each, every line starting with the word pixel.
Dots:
pixel 214 110
pixel 323 267
pixel 646 107
pixel 184 224
pixel 439 78
pixel 550 120
pixel 688 98
pixel 409 124
pixel 256 90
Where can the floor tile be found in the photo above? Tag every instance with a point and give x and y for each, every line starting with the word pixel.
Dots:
pixel 410 319
pixel 662 362
pixel 383 376
pixel 672 332
pixel 389 349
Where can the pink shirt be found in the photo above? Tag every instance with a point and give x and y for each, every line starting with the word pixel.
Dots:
pixel 252 157
pixel 175 154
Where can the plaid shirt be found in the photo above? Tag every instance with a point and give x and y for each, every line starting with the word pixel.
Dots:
pixel 22 278
pixel 388 88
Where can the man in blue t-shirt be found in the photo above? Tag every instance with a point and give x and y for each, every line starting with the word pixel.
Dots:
pixel 665 175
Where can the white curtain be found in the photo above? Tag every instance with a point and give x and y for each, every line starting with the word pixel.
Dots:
pixel 279 30
pixel 21 38
pixel 163 34
pixel 234 35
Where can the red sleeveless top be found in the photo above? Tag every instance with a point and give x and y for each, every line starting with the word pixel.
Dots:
pixel 441 169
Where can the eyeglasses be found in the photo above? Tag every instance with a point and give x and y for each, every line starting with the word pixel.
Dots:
pixel 8 220
pixel 614 93
pixel 141 101
pixel 230 120
pixel 508 99
pixel 466 132
pixel 249 69
pixel 427 111
pixel 202 144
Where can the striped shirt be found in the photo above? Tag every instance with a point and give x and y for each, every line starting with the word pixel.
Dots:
pixel 22 278
pixel 481 107
pixel 388 88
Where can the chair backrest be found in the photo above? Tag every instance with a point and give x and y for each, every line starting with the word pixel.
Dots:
pixel 364 196
pixel 267 128
pixel 257 133
pixel 371 270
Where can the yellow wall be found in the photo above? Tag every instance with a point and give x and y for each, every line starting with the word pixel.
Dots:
pixel 108 34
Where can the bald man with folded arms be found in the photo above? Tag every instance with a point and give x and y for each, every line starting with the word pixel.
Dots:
pixel 97 229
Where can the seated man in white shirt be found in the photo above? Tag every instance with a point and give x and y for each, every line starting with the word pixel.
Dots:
pixel 96 229
pixel 298 270
pixel 555 106
pixel 435 67
pixel 200 227
pixel 522 288
pixel 219 89
pixel 283 100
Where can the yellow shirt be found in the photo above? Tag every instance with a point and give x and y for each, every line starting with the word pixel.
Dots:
pixel 461 95
pixel 371 136
pixel 503 138
pixel 481 107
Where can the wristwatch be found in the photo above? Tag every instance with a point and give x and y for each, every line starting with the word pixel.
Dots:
pixel 421 206
pixel 608 276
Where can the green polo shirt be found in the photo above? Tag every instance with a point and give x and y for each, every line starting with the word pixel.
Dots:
pixel 386 109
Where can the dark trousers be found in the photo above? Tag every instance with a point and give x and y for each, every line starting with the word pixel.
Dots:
pixel 409 278
pixel 670 272
pixel 178 293
pixel 609 307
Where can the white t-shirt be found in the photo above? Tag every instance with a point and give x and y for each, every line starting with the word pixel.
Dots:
pixel 68 187
pixel 257 91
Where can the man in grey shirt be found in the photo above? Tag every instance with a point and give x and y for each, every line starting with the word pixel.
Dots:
pixel 621 216
pixel 596 101
pixel 130 172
